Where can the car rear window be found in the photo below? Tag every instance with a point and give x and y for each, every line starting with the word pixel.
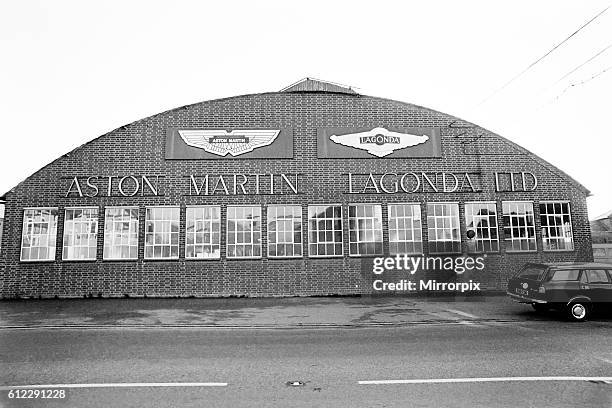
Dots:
pixel 532 272
pixel 565 275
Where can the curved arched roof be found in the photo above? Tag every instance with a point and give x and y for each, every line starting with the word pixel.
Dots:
pixel 310 85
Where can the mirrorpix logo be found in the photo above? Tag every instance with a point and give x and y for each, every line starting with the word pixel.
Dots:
pixel 222 142
pixel 379 141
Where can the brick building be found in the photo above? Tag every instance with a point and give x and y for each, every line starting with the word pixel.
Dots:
pixel 1 222
pixel 601 230
pixel 283 193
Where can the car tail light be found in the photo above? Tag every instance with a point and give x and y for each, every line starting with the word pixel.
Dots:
pixel 542 289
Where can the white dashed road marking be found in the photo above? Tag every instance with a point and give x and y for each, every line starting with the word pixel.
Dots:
pixel 443 315
pixel 460 313
pixel 114 385
pixel 607 380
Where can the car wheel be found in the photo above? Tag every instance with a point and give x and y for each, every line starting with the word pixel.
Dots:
pixel 578 311
pixel 538 307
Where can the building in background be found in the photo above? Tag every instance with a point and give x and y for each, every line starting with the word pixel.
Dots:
pixel 284 193
pixel 1 222
pixel 601 230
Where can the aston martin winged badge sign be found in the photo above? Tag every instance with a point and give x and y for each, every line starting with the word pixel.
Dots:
pixel 379 141
pixel 222 142
pixel 229 143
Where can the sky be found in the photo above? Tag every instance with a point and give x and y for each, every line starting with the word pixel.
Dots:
pixel 71 71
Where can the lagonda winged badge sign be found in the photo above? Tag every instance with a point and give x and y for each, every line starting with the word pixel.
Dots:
pixel 378 141
pixel 228 144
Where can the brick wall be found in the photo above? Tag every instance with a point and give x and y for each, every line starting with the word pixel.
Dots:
pixel 138 148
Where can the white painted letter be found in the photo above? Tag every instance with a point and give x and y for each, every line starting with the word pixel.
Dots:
pixel 75 182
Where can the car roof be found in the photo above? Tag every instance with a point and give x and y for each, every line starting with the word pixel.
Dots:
pixel 574 265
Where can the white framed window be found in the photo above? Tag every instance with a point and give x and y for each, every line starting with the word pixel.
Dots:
pixel 244 232
pixel 405 230
pixel 325 230
pixel 162 232
pixel 365 229
pixel 556 223
pixel 80 233
pixel 120 233
pixel 284 231
pixel 39 234
pixel 519 226
pixel 203 232
pixel 481 217
pixel 443 228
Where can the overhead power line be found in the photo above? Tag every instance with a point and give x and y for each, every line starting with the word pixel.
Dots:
pixel 583 64
pixel 519 122
pixel 540 59
pixel 600 73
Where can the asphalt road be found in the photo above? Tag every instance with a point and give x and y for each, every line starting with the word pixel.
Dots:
pixel 257 364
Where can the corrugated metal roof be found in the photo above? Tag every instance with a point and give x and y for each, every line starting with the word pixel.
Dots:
pixel 316 85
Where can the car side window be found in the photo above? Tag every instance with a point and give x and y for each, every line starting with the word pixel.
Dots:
pixel 597 276
pixel 583 277
pixel 566 275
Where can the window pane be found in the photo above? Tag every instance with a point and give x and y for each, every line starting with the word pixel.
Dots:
pixel 519 226
pixel 443 227
pixel 121 233
pixel 325 230
pixel 160 222
pixel 202 233
pixel 482 219
pixel 597 276
pixel 405 228
pixel 284 230
pixel 245 233
pixel 80 234
pixel 39 234
pixel 365 229
pixel 556 226
pixel 570 275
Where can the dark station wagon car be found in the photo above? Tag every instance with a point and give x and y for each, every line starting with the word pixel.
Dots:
pixel 575 288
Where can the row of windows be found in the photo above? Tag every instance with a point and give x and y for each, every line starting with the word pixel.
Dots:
pixel 284 229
